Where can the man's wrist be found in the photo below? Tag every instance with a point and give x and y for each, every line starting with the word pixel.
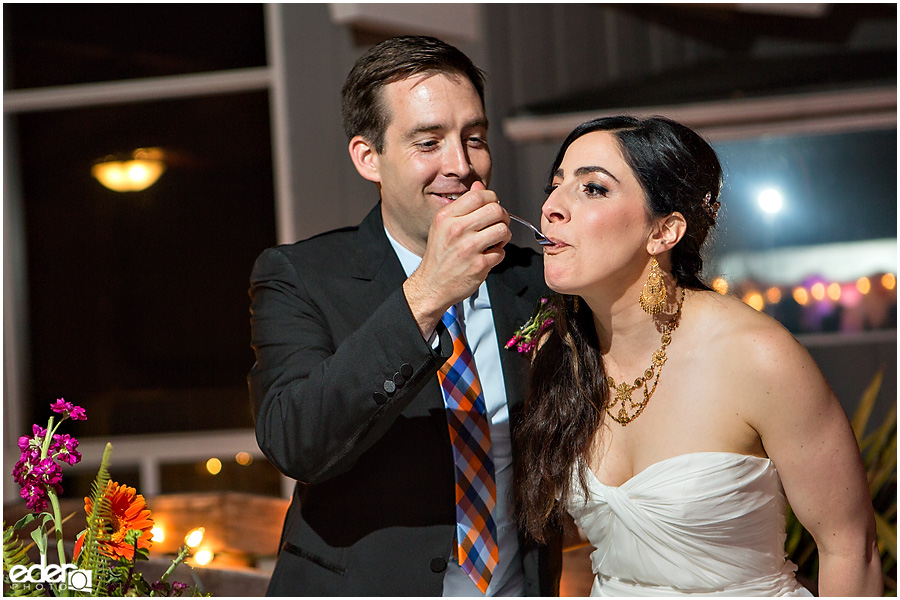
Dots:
pixel 423 308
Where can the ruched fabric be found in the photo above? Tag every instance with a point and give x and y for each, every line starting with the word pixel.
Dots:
pixel 706 523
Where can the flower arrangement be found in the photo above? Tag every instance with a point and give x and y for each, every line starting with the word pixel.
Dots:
pixel 117 535
pixel 525 338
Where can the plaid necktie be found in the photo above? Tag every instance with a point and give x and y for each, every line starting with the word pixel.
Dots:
pixel 476 492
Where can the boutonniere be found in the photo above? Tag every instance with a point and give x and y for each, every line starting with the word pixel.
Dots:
pixel 525 338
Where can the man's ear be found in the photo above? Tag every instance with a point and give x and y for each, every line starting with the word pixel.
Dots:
pixel 667 231
pixel 365 158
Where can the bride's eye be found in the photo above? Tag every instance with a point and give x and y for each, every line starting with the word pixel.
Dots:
pixel 595 189
pixel 548 189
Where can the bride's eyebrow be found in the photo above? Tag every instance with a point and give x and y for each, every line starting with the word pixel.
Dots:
pixel 588 170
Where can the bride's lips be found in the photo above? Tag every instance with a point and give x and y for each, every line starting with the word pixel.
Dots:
pixel 558 246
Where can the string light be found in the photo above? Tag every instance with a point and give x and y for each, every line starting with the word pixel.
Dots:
pixel 755 300
pixel 720 285
pixel 214 466
pixel 801 296
pixel 817 291
pixel 888 281
pixel 203 557
pixel 864 285
pixel 158 534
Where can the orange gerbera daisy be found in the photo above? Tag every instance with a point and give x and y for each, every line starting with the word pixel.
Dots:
pixel 129 511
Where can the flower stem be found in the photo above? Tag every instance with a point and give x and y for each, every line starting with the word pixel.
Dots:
pixel 45 446
pixel 182 554
pixel 57 521
pixel 54 501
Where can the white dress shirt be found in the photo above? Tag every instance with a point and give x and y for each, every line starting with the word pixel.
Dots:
pixel 478 326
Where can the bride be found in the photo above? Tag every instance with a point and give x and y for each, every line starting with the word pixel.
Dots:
pixel 672 422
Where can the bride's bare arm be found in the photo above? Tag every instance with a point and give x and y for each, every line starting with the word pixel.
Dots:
pixel 806 433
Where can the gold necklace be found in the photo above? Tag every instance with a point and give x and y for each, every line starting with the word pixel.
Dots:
pixel 623 390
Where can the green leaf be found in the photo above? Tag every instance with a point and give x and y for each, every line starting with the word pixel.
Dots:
pixel 40 540
pixel 25 521
pixel 866 403
pixel 887 536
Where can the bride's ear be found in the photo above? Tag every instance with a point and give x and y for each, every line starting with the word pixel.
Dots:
pixel 365 158
pixel 666 233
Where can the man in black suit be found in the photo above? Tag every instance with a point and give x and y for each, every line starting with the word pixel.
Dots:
pixel 348 337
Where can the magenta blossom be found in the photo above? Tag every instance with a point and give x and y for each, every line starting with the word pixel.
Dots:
pixel 525 338
pixel 38 470
pixel 67 409
pixel 64 448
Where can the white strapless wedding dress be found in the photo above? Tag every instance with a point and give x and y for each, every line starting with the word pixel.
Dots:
pixel 708 523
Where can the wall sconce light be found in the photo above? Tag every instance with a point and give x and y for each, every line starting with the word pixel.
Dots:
pixel 138 172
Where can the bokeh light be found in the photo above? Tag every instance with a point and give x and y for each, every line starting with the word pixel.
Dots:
pixel 817 291
pixel 755 300
pixel 801 296
pixel 214 466
pixel 720 285
pixel 864 285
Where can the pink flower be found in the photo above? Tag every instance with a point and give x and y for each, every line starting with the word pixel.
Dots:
pixel 524 339
pixel 61 406
pixel 65 448
pixel 67 409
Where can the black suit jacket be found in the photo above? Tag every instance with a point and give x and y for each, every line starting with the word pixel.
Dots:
pixel 347 403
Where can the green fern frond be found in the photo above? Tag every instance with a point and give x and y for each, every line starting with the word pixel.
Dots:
pixel 14 555
pixel 98 526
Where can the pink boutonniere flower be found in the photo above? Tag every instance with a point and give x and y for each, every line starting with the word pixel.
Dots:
pixel 525 338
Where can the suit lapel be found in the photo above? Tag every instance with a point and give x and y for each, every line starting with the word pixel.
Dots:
pixel 376 261
pixel 511 308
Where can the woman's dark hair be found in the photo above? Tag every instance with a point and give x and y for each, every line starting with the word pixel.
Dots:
pixel 567 398
pixel 393 60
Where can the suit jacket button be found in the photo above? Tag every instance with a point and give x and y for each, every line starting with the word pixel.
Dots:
pixel 399 380
pixel 389 387
pixel 438 564
pixel 379 398
pixel 406 370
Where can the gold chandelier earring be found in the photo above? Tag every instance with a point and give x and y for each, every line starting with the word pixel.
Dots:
pixel 653 295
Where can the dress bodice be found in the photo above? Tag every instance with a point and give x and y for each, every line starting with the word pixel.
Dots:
pixel 700 523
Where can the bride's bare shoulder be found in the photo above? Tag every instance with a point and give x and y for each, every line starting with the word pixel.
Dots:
pixel 730 329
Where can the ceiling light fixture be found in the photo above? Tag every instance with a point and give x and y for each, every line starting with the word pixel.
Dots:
pixel 138 172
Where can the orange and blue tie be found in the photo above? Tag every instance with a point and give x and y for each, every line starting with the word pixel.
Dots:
pixel 476 491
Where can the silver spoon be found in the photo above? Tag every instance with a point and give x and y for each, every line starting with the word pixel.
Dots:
pixel 542 239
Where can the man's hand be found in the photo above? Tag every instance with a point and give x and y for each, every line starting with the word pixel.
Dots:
pixel 465 242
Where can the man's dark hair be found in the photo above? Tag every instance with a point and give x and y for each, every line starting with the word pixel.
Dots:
pixel 393 60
